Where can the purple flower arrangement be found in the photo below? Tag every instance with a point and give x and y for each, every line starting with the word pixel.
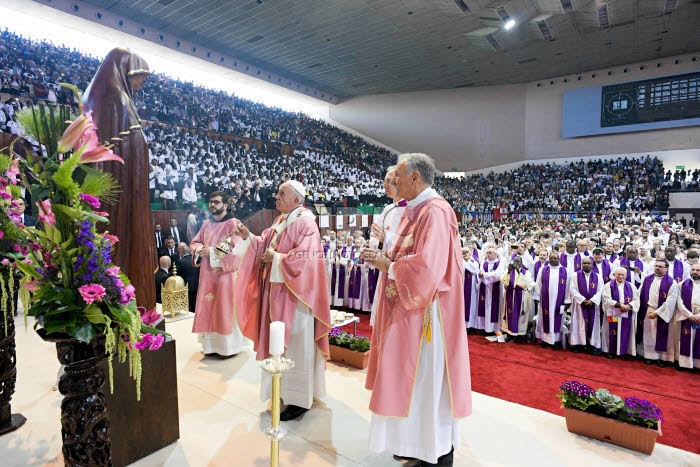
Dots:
pixel 580 396
pixel 356 342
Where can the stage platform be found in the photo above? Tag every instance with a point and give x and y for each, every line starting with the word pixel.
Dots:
pixel 222 418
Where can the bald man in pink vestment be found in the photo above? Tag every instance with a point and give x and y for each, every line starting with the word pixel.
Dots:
pixel 282 277
pixel 419 361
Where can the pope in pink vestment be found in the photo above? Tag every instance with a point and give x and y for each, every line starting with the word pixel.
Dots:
pixel 215 296
pixel 297 242
pixel 427 267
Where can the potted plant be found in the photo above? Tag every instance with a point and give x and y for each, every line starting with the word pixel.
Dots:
pixel 350 349
pixel 632 423
pixel 79 297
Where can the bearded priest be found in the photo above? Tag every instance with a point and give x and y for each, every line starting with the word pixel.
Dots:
pixel 419 360
pixel 282 277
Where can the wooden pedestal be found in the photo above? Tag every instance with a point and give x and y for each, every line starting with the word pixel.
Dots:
pixel 140 428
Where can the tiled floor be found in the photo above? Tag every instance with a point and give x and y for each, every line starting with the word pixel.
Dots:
pixel 222 418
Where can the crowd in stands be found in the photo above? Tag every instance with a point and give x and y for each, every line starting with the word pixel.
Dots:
pixel 196 138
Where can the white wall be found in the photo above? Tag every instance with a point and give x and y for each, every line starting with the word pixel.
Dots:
pixel 475 128
pixel 684 200
pixel 449 124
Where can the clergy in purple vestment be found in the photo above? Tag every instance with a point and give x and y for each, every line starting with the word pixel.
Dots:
pixel 586 288
pixel 489 306
pixel 602 266
pixel 471 285
pixel 552 299
pixel 620 304
pixel 688 319
pixel 677 269
pixel 657 305
pixel 517 284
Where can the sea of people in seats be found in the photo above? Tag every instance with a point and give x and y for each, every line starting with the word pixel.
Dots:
pixel 336 166
pixel 555 215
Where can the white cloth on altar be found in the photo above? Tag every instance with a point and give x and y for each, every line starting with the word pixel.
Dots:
pixel 577 328
pixel 430 409
pixel 551 337
pixel 647 348
pixel 682 314
pixel 308 377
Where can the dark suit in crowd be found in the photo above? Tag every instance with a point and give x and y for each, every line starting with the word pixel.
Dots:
pixel 190 275
pixel 161 276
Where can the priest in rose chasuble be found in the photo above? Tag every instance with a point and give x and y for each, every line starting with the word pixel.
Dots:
pixel 419 360
pixel 214 321
pixel 282 277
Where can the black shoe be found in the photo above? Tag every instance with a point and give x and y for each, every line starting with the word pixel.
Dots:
pixel 609 356
pixel 444 460
pixel 404 458
pixel 576 349
pixel 628 357
pixel 292 412
pixel 661 363
pixel 557 346
pixel 543 344
pixel 594 351
pixel 647 361
pixel 224 357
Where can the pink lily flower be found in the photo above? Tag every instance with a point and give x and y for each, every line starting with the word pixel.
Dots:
pixel 74 133
pixel 99 154
pixel 45 213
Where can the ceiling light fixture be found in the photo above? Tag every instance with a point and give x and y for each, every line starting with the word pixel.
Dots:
pixel 509 24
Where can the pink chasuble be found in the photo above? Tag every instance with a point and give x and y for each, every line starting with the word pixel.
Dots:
pixel 304 271
pixel 427 265
pixel 215 295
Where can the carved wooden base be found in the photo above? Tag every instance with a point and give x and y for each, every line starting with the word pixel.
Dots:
pixel 84 417
pixel 8 377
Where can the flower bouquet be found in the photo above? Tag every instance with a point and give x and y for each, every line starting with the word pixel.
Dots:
pixel 76 288
pixel 351 349
pixel 631 422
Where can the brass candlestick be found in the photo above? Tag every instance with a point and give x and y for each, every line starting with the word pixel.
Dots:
pixel 276 366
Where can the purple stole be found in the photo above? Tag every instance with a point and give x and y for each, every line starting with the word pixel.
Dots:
pixel 561 291
pixel 588 290
pixel 326 247
pixel 605 270
pixel 626 324
pixel 661 325
pixel 539 265
pixel 468 283
pixel 514 301
pixel 495 296
pixel 625 262
pixel 687 326
pixel 341 286
pixel 677 270
pixel 563 260
pixel 355 281
pixel 612 258
pixel 372 278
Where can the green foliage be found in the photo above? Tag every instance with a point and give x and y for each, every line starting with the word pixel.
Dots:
pixel 609 401
pixel 98 184
pixel 573 401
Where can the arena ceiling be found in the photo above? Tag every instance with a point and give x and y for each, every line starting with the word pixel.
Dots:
pixel 359 47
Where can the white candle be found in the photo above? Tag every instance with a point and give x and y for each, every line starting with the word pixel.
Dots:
pixel 277 338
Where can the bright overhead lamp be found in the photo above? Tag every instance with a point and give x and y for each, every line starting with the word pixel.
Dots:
pixel 509 24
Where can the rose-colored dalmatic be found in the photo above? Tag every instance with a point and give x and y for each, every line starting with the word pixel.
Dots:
pixel 428 265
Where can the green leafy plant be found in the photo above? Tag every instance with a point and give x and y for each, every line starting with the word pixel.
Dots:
pixel 356 342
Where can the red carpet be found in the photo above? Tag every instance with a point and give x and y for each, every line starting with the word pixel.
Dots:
pixel 529 375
